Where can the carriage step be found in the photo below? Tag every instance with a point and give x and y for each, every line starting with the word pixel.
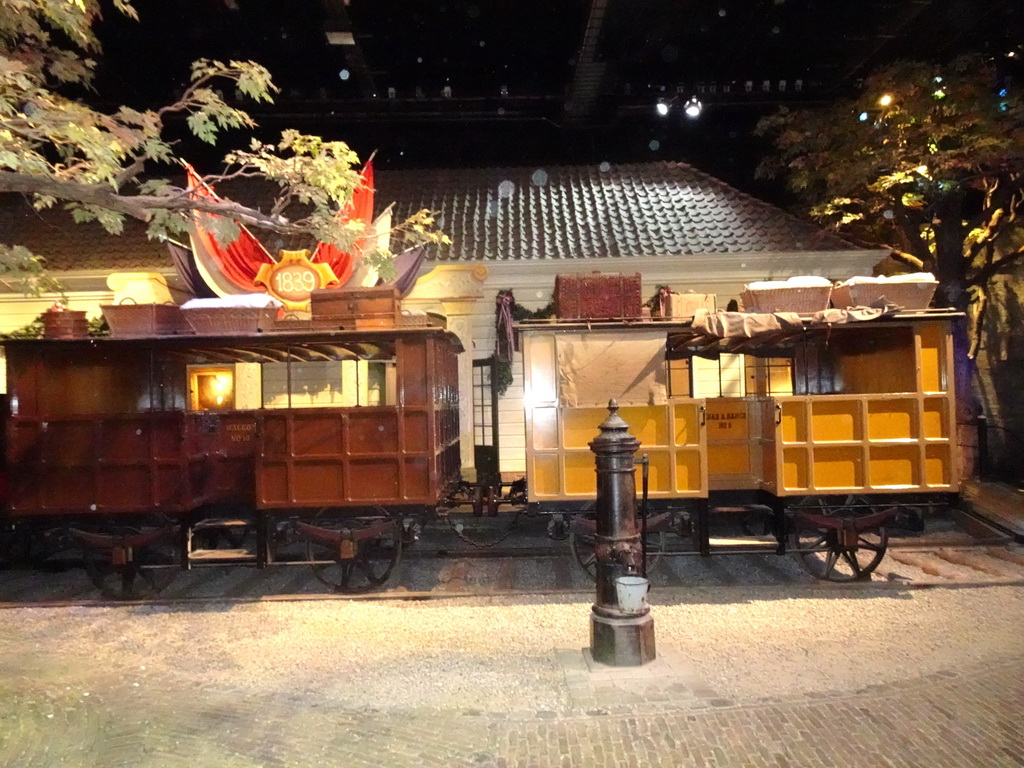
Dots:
pixel 744 544
pixel 222 555
pixel 221 522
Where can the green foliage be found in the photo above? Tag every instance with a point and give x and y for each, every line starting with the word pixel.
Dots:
pixel 936 173
pixel 502 372
pixel 33 330
pixel 55 147
pixel 22 265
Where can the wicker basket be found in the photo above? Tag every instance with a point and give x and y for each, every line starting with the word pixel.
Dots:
pixel 138 320
pixel 906 295
pixel 227 321
pixel 796 298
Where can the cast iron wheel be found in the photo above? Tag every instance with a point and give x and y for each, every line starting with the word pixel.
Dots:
pixel 368 562
pixel 582 538
pixel 149 570
pixel 829 554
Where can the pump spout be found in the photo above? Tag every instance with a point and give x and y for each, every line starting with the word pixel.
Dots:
pixel 627 559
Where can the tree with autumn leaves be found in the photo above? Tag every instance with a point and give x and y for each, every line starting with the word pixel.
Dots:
pixel 106 166
pixel 927 161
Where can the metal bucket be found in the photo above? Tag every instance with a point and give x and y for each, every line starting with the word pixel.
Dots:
pixel 631 592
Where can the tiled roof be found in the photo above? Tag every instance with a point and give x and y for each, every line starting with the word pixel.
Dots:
pixel 69 246
pixel 526 213
pixel 603 211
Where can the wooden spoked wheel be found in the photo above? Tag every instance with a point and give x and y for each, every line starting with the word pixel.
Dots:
pixel 357 564
pixel 142 563
pixel 582 538
pixel 581 544
pixel 834 551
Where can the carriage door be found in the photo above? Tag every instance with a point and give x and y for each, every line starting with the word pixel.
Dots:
pixel 485 422
pixel 220 436
pixel 732 450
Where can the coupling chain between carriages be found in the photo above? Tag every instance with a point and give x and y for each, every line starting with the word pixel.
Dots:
pixel 488 544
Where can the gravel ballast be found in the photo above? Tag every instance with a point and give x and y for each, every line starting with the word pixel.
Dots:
pixel 501 654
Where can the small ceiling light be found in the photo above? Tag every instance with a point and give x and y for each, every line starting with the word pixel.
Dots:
pixel 344 74
pixel 693 107
pixel 863 117
pixel 337 37
pixel 661 108
pixel 886 100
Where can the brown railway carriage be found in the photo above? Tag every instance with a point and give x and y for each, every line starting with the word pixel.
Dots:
pixel 124 438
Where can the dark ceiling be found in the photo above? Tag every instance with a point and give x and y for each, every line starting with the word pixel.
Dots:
pixel 460 82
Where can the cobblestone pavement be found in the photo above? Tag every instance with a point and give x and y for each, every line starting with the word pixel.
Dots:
pixel 118 687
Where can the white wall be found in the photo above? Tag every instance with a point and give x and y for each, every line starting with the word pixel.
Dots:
pixel 725 275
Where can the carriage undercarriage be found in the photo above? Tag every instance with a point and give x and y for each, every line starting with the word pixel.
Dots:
pixel 136 557
pixel 330 449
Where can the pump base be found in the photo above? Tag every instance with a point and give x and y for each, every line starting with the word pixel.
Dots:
pixel 622 642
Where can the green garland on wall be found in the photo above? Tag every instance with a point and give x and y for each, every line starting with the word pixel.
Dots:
pixel 501 364
pixel 501 370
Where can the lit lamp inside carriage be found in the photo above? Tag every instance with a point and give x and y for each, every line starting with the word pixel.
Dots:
pixel 212 389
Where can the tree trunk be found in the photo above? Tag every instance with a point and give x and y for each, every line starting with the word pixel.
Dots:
pixel 951 271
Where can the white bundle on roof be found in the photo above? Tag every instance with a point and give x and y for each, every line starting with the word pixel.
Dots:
pixel 914 277
pixel 766 285
pixel 240 300
pixel 808 281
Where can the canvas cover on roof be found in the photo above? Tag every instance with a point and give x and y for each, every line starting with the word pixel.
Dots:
pixel 596 367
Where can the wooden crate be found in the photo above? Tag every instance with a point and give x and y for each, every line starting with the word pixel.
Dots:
pixel 65 324
pixel 597 296
pixel 683 305
pixel 359 308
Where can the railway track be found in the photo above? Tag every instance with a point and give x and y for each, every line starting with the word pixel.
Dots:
pixel 428 573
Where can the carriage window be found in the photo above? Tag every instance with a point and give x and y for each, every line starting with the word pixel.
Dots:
pixel 720 377
pixel 679 377
pixel 211 389
pixel 305 384
pixel 329 384
pixel 771 376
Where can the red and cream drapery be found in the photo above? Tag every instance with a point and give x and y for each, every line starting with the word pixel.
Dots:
pixel 230 269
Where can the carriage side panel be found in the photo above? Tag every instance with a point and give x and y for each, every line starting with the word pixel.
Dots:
pixel 83 437
pixel 567 388
pixel 401 454
pixel 885 423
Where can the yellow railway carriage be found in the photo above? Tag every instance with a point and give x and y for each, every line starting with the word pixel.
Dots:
pixel 839 420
